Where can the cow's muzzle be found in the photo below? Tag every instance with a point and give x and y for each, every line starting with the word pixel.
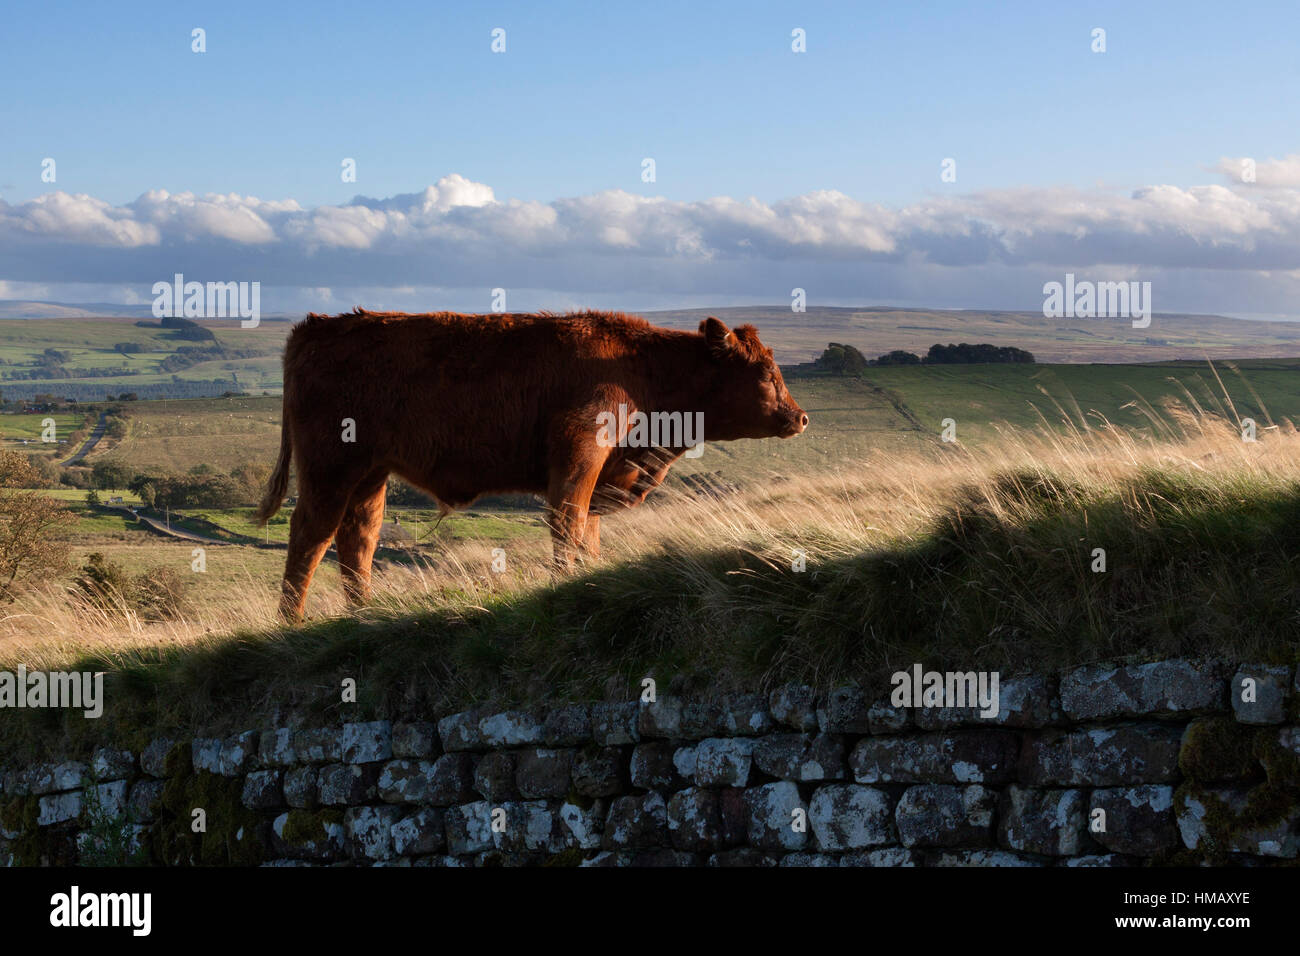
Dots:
pixel 798 422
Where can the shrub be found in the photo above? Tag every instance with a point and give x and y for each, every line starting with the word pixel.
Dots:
pixel 45 473
pixel 76 476
pixel 102 583
pixel 29 522
pixel 157 594
pixel 160 594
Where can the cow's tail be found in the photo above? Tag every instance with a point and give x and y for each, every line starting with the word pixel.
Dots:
pixel 279 483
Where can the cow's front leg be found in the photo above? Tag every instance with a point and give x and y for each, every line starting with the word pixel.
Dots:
pixel 625 482
pixel 569 500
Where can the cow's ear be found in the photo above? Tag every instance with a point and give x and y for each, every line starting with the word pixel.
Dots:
pixel 718 336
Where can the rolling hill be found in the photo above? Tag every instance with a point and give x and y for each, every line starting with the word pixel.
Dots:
pixel 800 337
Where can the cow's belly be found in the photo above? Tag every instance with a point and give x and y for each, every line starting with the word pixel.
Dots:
pixel 458 482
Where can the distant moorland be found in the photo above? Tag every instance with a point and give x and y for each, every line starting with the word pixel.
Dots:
pixel 89 359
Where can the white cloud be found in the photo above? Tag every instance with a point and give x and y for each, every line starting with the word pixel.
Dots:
pixel 75 218
pixel 188 217
pixel 457 234
pixel 1284 172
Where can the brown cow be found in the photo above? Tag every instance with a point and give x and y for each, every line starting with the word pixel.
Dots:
pixel 468 405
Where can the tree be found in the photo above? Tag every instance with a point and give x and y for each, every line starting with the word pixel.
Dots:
pixel 403 494
pixel 192 491
pixel 30 547
pixel 46 470
pixel 252 478
pixel 109 475
pixel 966 354
pixel 841 359
pixel 899 357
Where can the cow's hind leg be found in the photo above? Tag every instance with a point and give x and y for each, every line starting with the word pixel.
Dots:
pixel 315 519
pixel 358 535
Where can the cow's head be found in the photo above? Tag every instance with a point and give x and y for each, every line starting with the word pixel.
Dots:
pixel 747 397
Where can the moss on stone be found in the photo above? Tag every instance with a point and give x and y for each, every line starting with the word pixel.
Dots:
pixel 1218 748
pixel 1266 804
pixel 19 816
pixel 304 827
pixel 580 800
pixel 1281 764
pixel 234 835
pixel 570 857
pixel 15 814
pixel 1221 749
pixel 1278 797
pixel 178 761
pixel 1212 849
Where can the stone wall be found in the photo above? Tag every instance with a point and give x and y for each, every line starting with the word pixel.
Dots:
pixel 1184 769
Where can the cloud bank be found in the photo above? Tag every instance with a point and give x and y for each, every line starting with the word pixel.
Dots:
pixel 1225 247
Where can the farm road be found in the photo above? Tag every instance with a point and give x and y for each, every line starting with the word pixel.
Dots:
pixel 162 528
pixel 89 443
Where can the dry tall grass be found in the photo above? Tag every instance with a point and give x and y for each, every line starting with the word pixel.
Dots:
pixel 858 508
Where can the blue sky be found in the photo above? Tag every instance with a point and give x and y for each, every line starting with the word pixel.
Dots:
pixel 713 93
pixel 584 92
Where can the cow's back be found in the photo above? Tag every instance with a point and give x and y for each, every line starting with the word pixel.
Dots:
pixel 469 399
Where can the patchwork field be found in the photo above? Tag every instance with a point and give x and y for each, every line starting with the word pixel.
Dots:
pixel 113 355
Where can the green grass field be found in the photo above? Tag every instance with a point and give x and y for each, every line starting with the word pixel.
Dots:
pixel 78 495
pixel 26 433
pixel 93 359
pixel 801 336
